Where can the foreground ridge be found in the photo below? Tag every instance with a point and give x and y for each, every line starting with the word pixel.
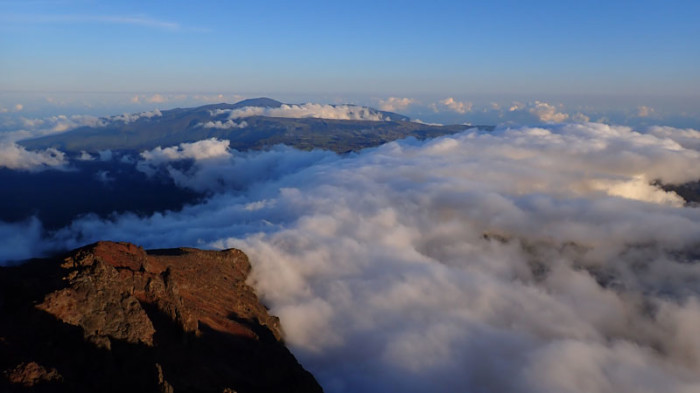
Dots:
pixel 114 317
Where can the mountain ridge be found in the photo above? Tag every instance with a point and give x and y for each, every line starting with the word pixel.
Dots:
pixel 255 131
pixel 115 317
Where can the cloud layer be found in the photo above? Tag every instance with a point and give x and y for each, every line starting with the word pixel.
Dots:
pixel 25 128
pixel 319 111
pixel 524 260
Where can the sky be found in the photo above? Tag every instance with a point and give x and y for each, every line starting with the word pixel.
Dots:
pixel 587 55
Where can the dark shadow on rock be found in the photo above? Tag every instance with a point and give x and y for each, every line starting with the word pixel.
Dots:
pixel 40 353
pixel 167 251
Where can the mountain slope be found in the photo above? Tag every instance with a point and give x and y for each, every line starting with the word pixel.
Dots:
pixel 259 128
pixel 113 317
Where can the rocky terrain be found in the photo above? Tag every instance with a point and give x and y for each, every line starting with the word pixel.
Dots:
pixel 113 317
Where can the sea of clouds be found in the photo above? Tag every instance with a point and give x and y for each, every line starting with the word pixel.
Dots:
pixel 529 259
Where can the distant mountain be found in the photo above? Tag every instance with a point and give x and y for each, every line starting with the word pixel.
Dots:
pixel 111 317
pixel 250 124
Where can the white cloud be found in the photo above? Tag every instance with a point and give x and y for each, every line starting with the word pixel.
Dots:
pixel 215 163
pixel 202 150
pixel 209 149
pixel 395 104
pixel 688 138
pixel 13 156
pixel 36 127
pixel 451 104
pixel 547 112
pixel 61 123
pixel 319 111
pixel 30 128
pixel 516 260
pixel 419 121
pixel 228 124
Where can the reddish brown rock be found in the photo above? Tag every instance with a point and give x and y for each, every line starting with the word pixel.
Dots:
pixel 31 374
pixel 113 317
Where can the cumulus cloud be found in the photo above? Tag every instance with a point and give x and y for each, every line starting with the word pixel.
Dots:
pixel 395 104
pixel 214 163
pixel 547 112
pixel 319 111
pixel 202 150
pixel 530 259
pixel 451 104
pixel 13 156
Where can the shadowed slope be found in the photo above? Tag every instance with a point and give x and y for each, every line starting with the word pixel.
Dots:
pixel 113 317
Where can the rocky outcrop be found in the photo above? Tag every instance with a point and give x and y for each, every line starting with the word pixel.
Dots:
pixel 113 317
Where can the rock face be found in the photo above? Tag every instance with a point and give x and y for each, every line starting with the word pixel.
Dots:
pixel 113 317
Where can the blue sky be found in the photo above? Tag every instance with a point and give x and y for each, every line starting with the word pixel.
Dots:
pixel 536 50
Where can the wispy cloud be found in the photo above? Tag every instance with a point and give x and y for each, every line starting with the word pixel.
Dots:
pixel 135 20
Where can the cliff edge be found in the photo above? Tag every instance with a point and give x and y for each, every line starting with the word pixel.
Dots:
pixel 114 317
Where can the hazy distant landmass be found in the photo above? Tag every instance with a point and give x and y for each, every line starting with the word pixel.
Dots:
pixel 113 186
pixel 263 122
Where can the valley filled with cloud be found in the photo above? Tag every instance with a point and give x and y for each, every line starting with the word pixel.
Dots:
pixel 527 259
